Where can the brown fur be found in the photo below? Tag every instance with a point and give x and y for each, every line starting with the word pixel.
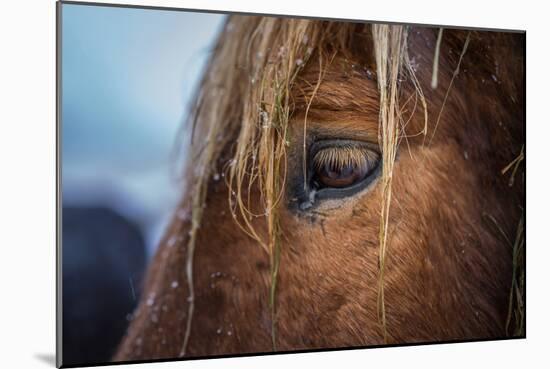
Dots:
pixel 448 270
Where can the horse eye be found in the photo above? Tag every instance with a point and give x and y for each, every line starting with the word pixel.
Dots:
pixel 341 167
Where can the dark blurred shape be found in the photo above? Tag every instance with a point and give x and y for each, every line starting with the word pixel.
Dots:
pixel 103 264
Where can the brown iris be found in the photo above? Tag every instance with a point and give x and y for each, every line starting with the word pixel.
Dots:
pixel 340 167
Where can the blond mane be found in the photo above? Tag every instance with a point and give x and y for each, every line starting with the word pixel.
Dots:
pixel 243 110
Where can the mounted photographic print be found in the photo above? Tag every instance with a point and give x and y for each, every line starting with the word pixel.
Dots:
pixel 240 184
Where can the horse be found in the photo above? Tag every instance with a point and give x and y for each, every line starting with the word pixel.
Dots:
pixel 348 184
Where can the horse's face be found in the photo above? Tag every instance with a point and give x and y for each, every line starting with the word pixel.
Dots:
pixel 447 271
pixel 443 270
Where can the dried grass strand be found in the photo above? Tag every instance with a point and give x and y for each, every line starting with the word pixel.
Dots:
pixel 389 46
pixel 435 70
pixel 455 74
pixel 516 288
pixel 262 75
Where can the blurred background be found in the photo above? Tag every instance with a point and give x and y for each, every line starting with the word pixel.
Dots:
pixel 128 77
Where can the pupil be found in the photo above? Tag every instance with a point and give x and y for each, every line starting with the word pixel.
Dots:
pixel 339 177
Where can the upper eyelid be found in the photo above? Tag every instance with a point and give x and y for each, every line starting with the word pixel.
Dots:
pixel 329 142
pixel 355 129
pixel 362 137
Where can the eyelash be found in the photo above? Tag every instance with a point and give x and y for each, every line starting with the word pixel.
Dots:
pixel 339 157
